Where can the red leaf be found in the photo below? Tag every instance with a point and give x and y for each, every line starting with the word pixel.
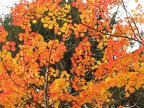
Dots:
pixel 12 43
pixel 13 49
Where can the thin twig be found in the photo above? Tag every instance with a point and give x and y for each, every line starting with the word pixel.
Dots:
pixel 113 35
pixel 46 84
pixel 10 75
pixel 123 6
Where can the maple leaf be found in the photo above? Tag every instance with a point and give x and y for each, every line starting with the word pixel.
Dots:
pixel 136 1
pixel 12 43
pixel 13 48
pixel 70 54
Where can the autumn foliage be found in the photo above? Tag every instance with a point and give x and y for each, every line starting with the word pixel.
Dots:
pixel 71 54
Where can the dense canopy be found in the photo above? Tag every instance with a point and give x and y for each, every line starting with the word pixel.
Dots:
pixel 58 54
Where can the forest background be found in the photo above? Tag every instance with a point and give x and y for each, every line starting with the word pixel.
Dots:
pixel 57 54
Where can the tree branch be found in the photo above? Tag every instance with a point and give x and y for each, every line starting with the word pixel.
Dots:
pixel 46 83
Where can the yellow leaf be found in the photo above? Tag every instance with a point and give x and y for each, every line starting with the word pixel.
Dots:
pixel 132 10
pixel 56 105
pixel 45 25
pixel 142 64
pixel 59 33
pixel 98 62
pixel 107 100
pixel 34 21
pixel 50 26
pixel 136 1
pixel 127 94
